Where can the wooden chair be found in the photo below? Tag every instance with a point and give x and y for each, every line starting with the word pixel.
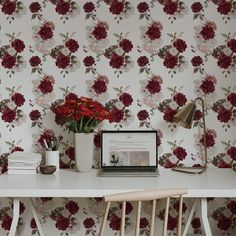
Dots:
pixel 140 196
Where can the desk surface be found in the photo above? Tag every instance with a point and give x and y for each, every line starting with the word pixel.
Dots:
pixel 68 183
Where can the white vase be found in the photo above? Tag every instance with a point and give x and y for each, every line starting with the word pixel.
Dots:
pixel 52 158
pixel 84 151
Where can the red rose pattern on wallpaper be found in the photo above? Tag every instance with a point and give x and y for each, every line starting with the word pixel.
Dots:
pixel 12 9
pixel 118 56
pixel 174 9
pixel 98 88
pixel 145 57
pixel 66 9
pixel 122 116
pixel 119 9
pixel 169 107
pixel 226 55
pixel 174 158
pixel 43 36
pixel 225 108
pixel 64 56
pixel 43 90
pixel 151 37
pixel 171 55
pixel 227 158
pixel 10 54
pixel 11 108
pixel 227 9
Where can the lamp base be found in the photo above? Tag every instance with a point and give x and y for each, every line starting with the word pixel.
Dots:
pixel 190 170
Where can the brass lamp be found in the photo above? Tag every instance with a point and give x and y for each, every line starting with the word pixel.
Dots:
pixel 185 118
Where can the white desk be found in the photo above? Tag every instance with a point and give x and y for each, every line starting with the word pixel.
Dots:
pixel 67 183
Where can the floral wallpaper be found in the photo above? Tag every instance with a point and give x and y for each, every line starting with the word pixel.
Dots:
pixel 143 59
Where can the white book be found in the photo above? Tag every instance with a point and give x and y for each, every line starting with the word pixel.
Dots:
pixel 24 156
pixel 24 160
pixel 22 167
pixel 23 172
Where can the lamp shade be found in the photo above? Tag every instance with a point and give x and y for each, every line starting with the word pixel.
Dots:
pixel 185 116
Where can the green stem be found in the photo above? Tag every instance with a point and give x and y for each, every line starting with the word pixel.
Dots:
pixel 81 124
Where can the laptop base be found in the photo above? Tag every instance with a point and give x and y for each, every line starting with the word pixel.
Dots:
pixel 123 173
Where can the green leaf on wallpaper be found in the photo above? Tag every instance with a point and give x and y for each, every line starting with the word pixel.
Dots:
pixel 141 70
pixel 8 35
pixel 87 16
pixel 141 16
pixel 170 143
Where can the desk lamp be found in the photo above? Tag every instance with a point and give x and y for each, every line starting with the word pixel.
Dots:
pixel 185 119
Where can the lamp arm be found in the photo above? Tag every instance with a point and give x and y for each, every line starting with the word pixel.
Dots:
pixel 204 128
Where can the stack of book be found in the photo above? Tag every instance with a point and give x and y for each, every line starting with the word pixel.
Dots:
pixel 23 162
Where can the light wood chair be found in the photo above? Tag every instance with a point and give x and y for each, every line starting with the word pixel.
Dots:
pixel 140 196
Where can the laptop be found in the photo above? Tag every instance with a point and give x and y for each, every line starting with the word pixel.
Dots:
pixel 129 153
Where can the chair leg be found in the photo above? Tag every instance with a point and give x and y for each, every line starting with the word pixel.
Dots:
pixel 164 232
pixel 138 219
pixel 16 214
pixel 102 228
pixel 122 227
pixel 153 217
pixel 180 215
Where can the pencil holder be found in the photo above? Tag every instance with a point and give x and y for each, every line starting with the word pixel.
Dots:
pixel 52 158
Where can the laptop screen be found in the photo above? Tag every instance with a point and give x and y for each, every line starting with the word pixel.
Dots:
pixel 128 149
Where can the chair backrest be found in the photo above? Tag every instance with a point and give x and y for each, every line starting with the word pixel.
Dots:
pixel 146 195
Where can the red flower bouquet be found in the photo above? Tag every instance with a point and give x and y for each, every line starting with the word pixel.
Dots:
pixel 80 115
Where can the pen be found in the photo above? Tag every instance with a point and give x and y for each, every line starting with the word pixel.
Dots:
pixel 46 145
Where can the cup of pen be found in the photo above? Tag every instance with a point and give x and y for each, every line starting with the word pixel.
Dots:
pixel 52 154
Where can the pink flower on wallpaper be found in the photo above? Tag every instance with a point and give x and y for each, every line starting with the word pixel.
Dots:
pixel 66 9
pixel 172 55
pixel 226 55
pixel 43 36
pixel 120 9
pixel 10 55
pixel 97 88
pixel 97 36
pixel 12 9
pixel 205 36
pixel 225 109
pixel 64 55
pixel 43 90
pixel 206 88
pixel 174 9
pixel 10 108
pixel 151 36
pixel 118 56
pixel 120 108
pixel 151 90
